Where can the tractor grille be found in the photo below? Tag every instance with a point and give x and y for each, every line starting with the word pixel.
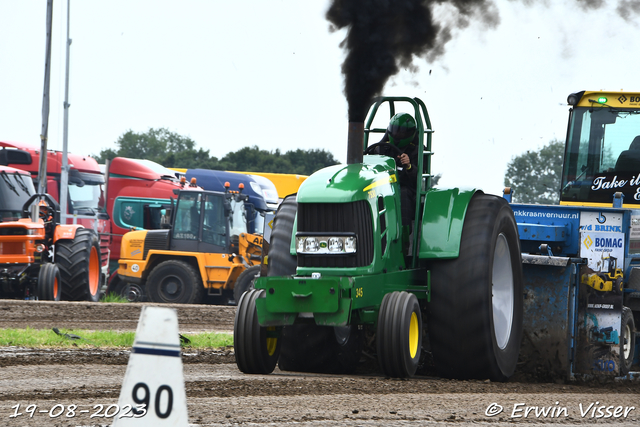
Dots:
pixel 338 217
pixel 12 248
pixel 156 239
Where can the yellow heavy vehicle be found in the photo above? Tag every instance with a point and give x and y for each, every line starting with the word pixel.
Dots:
pixel 206 251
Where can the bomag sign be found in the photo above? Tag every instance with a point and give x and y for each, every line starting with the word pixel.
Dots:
pixel 608 243
pixel 599 246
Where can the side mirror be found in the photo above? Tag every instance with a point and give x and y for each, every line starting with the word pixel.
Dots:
pixel 15 157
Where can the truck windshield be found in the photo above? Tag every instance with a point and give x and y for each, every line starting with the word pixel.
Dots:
pixel 86 193
pixel 15 190
pixel 165 173
pixel 602 156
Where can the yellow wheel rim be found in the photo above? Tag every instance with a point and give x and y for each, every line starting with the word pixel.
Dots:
pixel 414 334
pixel 272 343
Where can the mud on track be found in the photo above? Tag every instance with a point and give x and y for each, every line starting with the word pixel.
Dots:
pixel 218 393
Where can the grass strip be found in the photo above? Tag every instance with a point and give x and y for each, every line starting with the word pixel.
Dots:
pixel 47 338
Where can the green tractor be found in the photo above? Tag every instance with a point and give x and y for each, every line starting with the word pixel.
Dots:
pixel 343 274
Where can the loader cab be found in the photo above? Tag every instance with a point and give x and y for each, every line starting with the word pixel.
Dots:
pixel 602 153
pixel 208 221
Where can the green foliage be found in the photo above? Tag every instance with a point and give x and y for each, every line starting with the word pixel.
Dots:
pixel 47 338
pixel 209 340
pixel 175 151
pixel 161 146
pixel 36 338
pixel 535 175
pixel 113 297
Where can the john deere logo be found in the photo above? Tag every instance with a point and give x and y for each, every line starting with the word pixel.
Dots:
pixel 622 99
pixel 588 242
pixel 323 245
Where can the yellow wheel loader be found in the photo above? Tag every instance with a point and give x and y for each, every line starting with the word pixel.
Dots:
pixel 204 252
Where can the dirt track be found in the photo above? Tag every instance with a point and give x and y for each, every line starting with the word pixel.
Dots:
pixel 217 393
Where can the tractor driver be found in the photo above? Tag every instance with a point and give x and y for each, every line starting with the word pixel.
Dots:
pixel 47 218
pixel 402 133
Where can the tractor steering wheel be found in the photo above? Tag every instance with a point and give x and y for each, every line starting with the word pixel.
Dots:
pixel 47 209
pixel 386 149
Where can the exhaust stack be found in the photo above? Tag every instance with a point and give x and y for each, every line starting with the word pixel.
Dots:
pixel 355 142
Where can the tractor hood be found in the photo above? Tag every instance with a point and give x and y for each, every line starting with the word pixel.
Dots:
pixel 348 183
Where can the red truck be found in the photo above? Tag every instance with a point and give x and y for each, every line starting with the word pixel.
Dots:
pixel 138 192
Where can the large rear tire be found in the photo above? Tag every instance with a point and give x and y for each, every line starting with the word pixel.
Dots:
pixel 628 341
pixel 244 282
pixel 475 314
pixel 256 348
pixel 399 335
pixel 79 264
pixel 280 261
pixel 49 288
pixel 176 282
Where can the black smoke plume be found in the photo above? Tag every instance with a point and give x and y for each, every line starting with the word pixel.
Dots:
pixel 383 36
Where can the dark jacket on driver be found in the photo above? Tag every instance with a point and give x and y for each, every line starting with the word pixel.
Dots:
pixel 407 177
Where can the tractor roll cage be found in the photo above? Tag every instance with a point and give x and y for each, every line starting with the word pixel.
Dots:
pixel 423 124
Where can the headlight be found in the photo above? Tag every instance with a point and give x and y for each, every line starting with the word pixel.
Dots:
pixel 335 244
pixel 311 244
pixel 350 245
pixel 322 245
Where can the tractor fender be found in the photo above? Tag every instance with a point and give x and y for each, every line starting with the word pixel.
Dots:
pixel 65 232
pixel 442 221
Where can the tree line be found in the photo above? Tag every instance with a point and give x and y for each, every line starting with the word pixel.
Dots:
pixel 535 175
pixel 173 150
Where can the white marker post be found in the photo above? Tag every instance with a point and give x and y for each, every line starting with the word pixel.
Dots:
pixel 153 388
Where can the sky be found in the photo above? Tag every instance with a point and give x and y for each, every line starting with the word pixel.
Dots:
pixel 268 73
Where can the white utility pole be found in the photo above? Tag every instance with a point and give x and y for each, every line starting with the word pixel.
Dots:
pixel 64 173
pixel 42 172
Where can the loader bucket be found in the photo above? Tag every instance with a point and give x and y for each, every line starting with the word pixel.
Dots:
pixel 548 317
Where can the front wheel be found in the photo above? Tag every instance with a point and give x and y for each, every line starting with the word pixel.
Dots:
pixel 399 335
pixel 475 313
pixel 245 282
pixel 49 283
pixel 628 344
pixel 79 264
pixel 257 348
pixel 174 281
